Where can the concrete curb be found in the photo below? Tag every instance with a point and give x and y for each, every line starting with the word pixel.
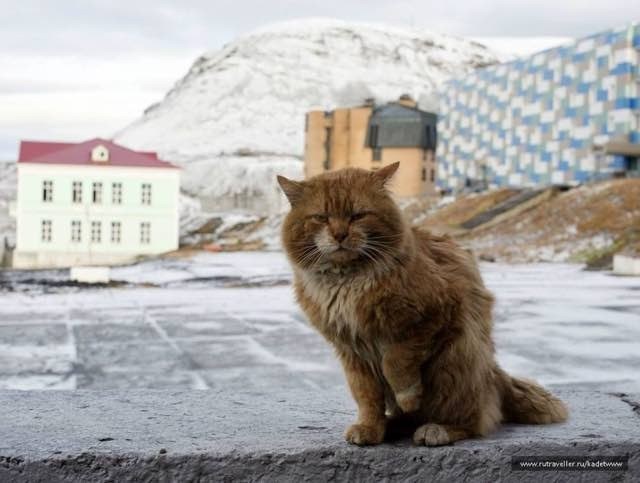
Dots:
pixel 221 436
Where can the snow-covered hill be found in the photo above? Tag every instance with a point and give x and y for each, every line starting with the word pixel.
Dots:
pixel 7 195
pixel 237 117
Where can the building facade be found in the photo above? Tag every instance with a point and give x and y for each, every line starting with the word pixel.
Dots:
pixel 565 115
pixel 93 203
pixel 370 137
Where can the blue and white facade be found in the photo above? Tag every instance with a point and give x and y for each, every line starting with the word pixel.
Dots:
pixel 565 115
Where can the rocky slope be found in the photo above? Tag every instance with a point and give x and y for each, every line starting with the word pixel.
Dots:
pixel 588 224
pixel 237 117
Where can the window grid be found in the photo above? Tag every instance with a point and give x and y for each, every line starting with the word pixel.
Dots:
pixel 116 193
pixel 96 232
pixel 77 191
pixel 116 232
pixel 97 193
pixel 47 191
pixel 46 231
pixel 145 233
pixel 146 193
pixel 76 231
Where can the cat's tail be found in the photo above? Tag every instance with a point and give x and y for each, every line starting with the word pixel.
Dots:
pixel 526 402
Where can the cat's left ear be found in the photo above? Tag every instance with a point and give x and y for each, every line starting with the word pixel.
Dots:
pixel 292 189
pixel 386 173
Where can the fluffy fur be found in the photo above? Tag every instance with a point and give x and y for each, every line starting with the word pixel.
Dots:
pixel 407 313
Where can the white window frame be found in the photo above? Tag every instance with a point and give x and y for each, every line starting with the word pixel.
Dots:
pixel 76 231
pixel 47 191
pixel 145 197
pixel 46 230
pixel 96 190
pixel 116 193
pixel 96 232
pixel 116 232
pixel 76 192
pixel 145 233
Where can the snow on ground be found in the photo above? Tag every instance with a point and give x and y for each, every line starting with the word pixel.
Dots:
pixel 554 323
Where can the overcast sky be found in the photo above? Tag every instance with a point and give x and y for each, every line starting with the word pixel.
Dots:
pixel 74 69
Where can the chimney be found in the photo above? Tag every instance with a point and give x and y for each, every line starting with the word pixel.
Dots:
pixel 407 100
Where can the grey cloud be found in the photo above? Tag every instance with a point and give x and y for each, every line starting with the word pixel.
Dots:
pixel 102 27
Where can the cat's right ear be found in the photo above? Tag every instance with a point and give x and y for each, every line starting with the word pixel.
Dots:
pixel 292 189
pixel 385 174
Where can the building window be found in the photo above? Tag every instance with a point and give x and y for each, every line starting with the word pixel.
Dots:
pixel 377 154
pixel 327 149
pixel 76 231
pixel 47 191
pixel 116 193
pixel 97 193
pixel 96 232
pixel 77 191
pixel 146 194
pixel 145 232
pixel 430 137
pixel 46 231
pixel 432 176
pixel 116 231
pixel 424 174
pixel 373 136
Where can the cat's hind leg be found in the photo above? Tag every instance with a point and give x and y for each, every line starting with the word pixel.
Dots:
pixel 432 434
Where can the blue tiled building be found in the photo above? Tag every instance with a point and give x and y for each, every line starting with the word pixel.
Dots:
pixel 565 115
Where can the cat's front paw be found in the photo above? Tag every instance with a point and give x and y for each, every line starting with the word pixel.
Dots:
pixel 409 399
pixel 364 435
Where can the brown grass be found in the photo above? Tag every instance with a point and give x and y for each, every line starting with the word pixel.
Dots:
pixel 451 216
pixel 564 223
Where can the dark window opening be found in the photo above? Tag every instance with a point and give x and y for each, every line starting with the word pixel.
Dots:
pixel 424 174
pixel 433 175
pixel 327 149
pixel 430 137
pixel 47 191
pixel 97 193
pixel 373 136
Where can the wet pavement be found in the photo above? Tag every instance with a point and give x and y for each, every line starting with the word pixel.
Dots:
pixel 172 325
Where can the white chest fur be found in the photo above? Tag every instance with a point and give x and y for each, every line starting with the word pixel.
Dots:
pixel 338 298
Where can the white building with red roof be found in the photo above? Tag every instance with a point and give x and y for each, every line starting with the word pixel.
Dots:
pixel 93 203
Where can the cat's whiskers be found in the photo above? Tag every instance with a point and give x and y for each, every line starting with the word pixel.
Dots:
pixel 387 253
pixel 385 237
pixel 376 256
pixel 393 254
pixel 308 255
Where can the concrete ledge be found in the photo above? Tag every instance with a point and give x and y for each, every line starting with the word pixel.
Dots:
pixel 222 436
pixel 625 265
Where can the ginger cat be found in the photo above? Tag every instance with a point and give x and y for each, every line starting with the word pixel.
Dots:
pixel 407 313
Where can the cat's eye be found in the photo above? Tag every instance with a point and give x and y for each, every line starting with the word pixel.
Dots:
pixel 358 216
pixel 320 217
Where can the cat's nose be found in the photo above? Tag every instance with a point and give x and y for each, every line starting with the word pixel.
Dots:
pixel 340 236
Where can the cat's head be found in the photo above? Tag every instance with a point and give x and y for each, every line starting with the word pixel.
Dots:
pixel 342 219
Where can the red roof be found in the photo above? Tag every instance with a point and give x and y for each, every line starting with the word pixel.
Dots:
pixel 79 154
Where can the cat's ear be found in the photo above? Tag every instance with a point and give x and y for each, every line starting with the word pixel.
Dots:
pixel 292 189
pixel 385 174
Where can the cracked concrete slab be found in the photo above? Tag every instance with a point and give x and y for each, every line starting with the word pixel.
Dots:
pixel 293 436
